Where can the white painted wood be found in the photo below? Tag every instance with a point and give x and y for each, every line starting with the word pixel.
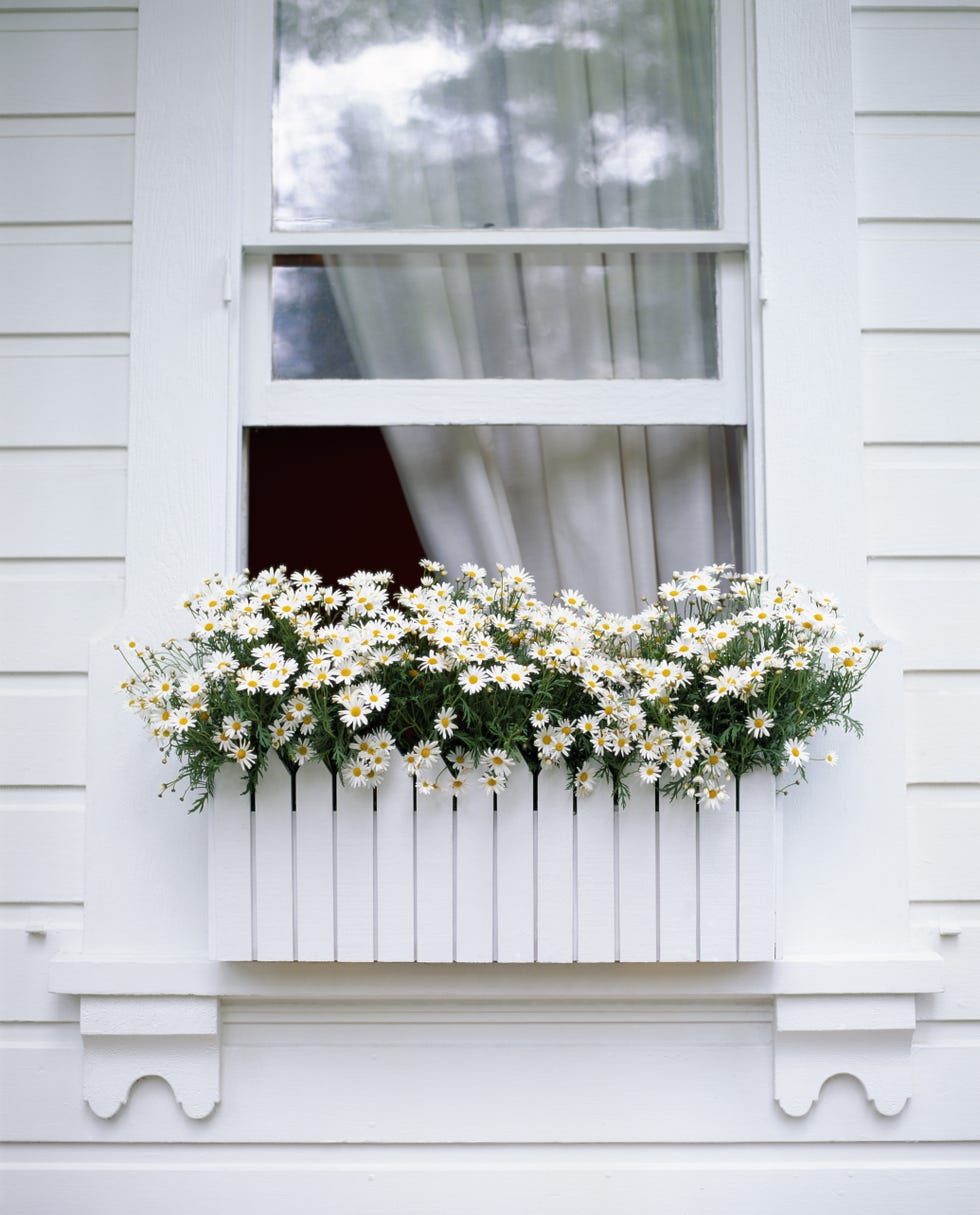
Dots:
pixel 41 854
pixel 62 504
pixel 66 179
pixel 902 600
pixel 434 877
pixel 64 402
pixel 941 712
pixel 919 283
pixel 65 288
pixel 355 877
pixel 48 623
pixel 758 860
pixel 677 880
pixel 476 860
pixel 960 997
pixel 485 1186
pixel 717 883
pixel 920 387
pixel 273 865
pixel 314 862
pixel 95 18
pixel 230 830
pixel 24 961
pixel 555 878
pixel 944 829
pixel 396 869
pixel 595 875
pixel 33 711
pixel 514 894
pixel 916 69
pixel 68 72
pixel 450 402
pixel 638 876
pixel 916 511
pixel 361 240
pixel 912 176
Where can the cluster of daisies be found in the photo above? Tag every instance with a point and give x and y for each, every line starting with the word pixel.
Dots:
pixel 457 681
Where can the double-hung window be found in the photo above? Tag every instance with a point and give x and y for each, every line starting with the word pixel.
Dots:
pixel 511 242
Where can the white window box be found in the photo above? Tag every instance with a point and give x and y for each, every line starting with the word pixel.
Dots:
pixel 311 871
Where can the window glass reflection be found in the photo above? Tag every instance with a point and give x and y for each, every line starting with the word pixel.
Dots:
pixel 495 113
pixel 535 315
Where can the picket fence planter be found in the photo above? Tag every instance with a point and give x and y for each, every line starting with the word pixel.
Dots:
pixel 308 870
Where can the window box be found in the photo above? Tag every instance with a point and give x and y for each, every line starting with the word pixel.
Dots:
pixel 315 871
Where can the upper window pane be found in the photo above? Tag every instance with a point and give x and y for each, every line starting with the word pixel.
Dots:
pixel 495 113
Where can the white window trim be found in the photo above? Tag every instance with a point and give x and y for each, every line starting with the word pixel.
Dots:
pixel 390 402
pixel 146 989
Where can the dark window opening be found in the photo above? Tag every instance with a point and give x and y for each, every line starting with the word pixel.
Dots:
pixel 328 499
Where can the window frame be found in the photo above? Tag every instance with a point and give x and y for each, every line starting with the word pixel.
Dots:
pixel 725 400
pixel 145 862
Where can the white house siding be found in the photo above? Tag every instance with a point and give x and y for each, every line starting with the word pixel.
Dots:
pixel 917 97
pixel 381 1107
pixel 67 94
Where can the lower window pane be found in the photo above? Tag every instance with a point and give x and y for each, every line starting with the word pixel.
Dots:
pixel 533 315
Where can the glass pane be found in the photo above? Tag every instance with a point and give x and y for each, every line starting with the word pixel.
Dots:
pixel 495 113
pixel 541 315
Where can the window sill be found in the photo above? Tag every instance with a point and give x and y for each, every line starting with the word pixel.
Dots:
pixel 852 1015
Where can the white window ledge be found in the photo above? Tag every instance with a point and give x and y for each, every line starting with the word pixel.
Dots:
pixel 831 1015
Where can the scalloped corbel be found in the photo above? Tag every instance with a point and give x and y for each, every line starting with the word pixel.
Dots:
pixel 868 1037
pixel 128 1037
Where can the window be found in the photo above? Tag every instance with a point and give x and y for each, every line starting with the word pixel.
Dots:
pixel 521 220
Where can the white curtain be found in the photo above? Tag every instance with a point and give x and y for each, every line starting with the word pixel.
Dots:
pixel 557 127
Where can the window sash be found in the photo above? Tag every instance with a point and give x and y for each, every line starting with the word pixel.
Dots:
pixel 732 134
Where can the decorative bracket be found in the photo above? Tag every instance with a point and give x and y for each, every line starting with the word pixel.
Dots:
pixel 128 1037
pixel 868 1037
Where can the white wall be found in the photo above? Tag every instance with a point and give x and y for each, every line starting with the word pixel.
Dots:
pixel 67 93
pixel 917 96
pixel 670 1105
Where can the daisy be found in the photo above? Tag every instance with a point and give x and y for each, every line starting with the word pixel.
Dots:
pixel 759 723
pixel 473 680
pixel 796 752
pixel 445 723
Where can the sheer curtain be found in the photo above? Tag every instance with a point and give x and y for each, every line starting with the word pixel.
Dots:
pixel 544 115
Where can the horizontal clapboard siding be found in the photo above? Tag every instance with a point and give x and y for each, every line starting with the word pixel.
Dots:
pixel 53 71
pixel 945 841
pixel 67 92
pixel 908 597
pixel 946 181
pixel 70 288
pixel 62 503
pixel 927 64
pixel 921 387
pixel 923 501
pixel 54 179
pixel 67 401
pixel 917 92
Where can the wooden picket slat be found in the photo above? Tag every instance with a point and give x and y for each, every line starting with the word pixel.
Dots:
pixel 474 875
pixel 717 883
pixel 757 860
pixel 314 864
pixel 515 874
pixel 395 869
pixel 595 877
pixel 434 877
pixel 555 877
pixel 354 844
pixel 678 881
pixel 230 870
pixel 637 825
pixel 361 875
pixel 274 865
